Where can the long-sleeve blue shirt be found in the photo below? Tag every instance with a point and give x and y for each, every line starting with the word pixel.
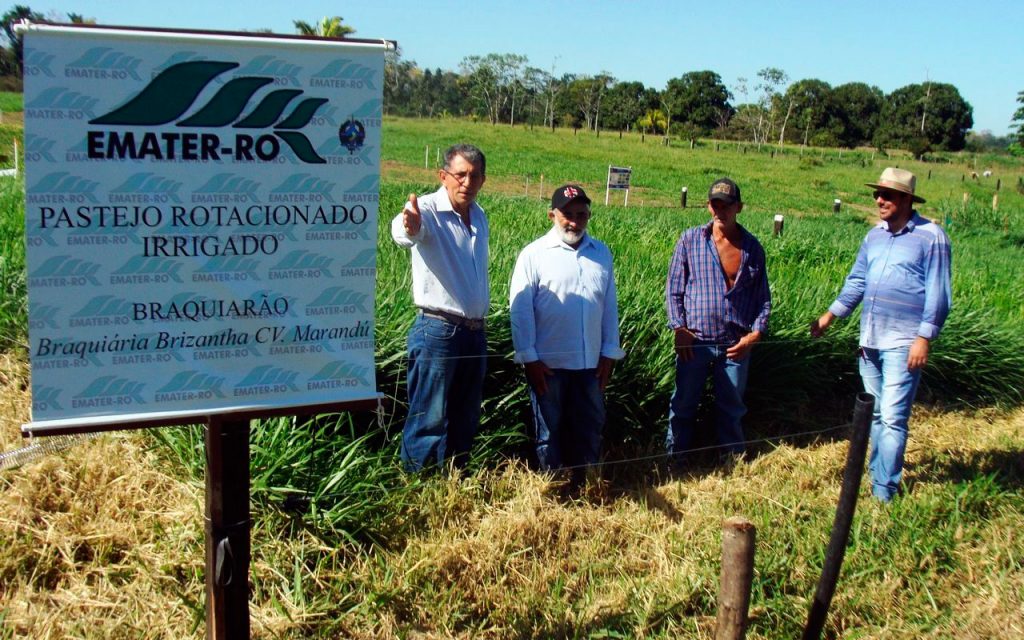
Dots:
pixel 697 296
pixel 903 280
pixel 563 305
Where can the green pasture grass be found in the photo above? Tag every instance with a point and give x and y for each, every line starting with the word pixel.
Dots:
pixel 795 381
pixel 11 101
pixel 790 180
pixel 13 301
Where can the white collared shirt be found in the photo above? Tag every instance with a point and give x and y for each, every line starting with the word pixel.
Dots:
pixel 563 307
pixel 449 260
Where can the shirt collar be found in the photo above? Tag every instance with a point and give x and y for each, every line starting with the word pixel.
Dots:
pixel 709 227
pixel 444 203
pixel 915 219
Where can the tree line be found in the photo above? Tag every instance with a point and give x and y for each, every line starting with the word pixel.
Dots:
pixel 766 109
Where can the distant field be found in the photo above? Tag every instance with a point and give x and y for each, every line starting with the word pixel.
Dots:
pixel 500 553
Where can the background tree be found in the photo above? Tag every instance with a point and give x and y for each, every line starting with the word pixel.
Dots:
pixel 813 113
pixel 587 93
pixel 699 99
pixel 328 27
pixel 399 82
pixel 491 79
pixel 1018 120
pixel 945 114
pixel 857 107
pixel 436 93
pixel 772 81
pixel 14 61
pixel 653 121
pixel 627 102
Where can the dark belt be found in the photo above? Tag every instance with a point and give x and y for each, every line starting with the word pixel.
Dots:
pixel 474 324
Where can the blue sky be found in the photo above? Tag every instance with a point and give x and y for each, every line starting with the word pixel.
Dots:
pixel 976 46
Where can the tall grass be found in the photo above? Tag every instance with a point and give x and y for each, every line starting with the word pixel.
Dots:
pixel 13 301
pixel 979 359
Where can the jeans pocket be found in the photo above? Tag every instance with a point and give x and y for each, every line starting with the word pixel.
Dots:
pixel 434 329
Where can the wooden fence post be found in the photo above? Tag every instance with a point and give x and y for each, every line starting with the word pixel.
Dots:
pixel 836 549
pixel 738 537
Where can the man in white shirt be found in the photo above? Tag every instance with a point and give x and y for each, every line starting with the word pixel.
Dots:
pixel 447 233
pixel 565 330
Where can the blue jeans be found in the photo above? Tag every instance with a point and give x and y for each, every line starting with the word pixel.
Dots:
pixel 729 378
pixel 885 376
pixel 447 364
pixel 568 419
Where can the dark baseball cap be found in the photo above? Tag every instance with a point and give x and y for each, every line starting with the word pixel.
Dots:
pixel 724 189
pixel 567 193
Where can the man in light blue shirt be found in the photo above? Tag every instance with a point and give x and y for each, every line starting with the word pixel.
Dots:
pixel 565 330
pixel 446 232
pixel 902 280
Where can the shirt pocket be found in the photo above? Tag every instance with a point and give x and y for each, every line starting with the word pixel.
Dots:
pixel 594 280
pixel 748 277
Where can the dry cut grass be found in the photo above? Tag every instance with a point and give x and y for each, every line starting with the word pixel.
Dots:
pixel 98 542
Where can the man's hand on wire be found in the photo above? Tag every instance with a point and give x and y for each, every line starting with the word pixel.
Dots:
pixel 819 326
pixel 537 376
pixel 684 343
pixel 740 350
pixel 918 356
pixel 604 371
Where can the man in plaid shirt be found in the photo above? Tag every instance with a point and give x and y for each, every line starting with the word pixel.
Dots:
pixel 718 305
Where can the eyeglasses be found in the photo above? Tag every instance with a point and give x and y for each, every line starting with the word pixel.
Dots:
pixel 463 177
pixel 885 194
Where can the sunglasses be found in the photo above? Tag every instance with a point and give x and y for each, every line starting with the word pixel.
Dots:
pixel 885 194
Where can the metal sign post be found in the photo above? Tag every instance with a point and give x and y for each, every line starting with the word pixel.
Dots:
pixel 227 529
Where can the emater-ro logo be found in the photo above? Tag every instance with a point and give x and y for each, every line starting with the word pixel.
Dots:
pixel 172 93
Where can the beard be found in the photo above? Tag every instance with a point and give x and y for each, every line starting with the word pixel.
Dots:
pixel 571 238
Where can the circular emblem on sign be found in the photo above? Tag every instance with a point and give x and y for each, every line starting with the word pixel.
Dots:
pixel 352 134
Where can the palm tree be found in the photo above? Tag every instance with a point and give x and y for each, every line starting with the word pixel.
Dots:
pixel 328 27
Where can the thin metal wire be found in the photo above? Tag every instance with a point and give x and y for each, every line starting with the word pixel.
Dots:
pixel 634 460
pixel 53 444
pixel 40 447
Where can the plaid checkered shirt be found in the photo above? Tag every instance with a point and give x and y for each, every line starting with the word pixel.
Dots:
pixel 696 296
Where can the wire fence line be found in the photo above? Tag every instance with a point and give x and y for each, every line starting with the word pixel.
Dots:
pixel 828 338
pixel 57 444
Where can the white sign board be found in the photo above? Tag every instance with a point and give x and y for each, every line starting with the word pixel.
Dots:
pixel 201 222
pixel 618 178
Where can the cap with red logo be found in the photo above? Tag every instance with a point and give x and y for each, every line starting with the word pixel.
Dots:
pixel 567 193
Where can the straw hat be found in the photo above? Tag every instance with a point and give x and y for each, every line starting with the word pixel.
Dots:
pixel 897 180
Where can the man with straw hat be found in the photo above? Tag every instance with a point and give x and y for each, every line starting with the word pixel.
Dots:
pixel 902 277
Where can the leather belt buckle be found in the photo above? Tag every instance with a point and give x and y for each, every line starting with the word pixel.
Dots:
pixel 473 324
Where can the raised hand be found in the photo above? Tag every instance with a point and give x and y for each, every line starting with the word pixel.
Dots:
pixel 411 218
